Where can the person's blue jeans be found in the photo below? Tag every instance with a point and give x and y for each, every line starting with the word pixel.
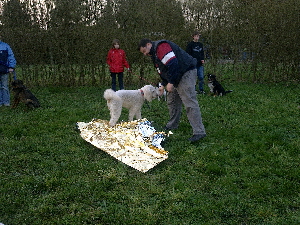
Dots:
pixel 114 81
pixel 4 91
pixel 200 74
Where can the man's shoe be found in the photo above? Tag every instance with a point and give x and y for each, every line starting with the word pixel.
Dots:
pixel 165 128
pixel 196 137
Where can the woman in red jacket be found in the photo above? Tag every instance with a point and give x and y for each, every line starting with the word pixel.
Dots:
pixel 116 59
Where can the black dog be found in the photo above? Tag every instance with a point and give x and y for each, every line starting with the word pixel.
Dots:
pixel 21 93
pixel 215 87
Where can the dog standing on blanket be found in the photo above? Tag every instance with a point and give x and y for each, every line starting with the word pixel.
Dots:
pixel 215 87
pixel 130 99
pixel 22 94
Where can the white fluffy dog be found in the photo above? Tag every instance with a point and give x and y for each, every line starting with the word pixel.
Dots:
pixel 130 99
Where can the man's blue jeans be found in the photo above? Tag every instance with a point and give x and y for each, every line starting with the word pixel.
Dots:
pixel 4 91
pixel 200 74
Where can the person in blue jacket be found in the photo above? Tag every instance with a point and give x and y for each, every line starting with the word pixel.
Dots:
pixel 7 65
pixel 178 72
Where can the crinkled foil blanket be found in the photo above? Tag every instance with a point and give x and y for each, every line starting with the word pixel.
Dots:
pixel 134 143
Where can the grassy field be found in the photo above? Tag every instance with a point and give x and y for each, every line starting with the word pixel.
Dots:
pixel 246 171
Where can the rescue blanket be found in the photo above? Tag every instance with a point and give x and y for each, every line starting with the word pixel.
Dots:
pixel 135 143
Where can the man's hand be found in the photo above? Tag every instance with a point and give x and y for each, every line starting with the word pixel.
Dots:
pixel 170 87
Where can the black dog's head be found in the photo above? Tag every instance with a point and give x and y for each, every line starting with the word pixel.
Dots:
pixel 211 77
pixel 17 84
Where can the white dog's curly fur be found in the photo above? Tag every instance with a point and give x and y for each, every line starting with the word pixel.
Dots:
pixel 130 99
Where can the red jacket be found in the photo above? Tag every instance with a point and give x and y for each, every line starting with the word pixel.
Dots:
pixel 116 59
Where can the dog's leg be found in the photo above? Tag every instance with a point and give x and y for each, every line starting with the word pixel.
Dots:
pixel 115 113
pixel 138 114
pixel 29 103
pixel 132 113
pixel 16 102
pixel 113 120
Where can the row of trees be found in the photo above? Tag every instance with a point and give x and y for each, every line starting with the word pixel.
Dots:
pixel 81 31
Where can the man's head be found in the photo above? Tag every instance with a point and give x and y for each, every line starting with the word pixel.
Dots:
pixel 145 46
pixel 196 36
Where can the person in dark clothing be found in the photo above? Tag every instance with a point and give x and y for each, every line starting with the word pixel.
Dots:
pixel 177 70
pixel 195 49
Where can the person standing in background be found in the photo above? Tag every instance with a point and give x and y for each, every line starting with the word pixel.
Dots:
pixel 195 49
pixel 116 59
pixel 7 65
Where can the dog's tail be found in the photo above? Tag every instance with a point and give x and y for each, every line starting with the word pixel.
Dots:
pixel 228 91
pixel 110 94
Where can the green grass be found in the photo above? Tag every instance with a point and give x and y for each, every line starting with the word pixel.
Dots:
pixel 246 171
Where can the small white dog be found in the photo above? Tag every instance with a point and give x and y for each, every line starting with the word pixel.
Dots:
pixel 164 95
pixel 130 99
